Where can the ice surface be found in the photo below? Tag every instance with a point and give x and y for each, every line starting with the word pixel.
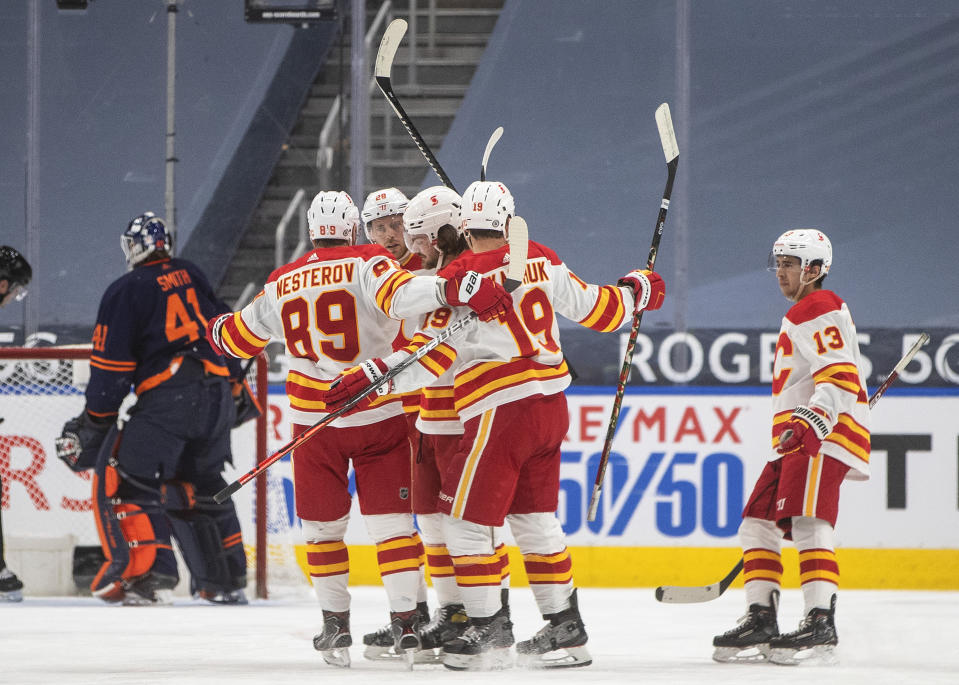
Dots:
pixel 884 637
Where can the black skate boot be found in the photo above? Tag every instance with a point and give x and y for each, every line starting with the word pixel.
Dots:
pixel 152 588
pixel 484 646
pixel 406 640
pixel 11 589
pixel 814 640
pixel 561 643
pixel 335 640
pixel 380 644
pixel 749 641
pixel 449 623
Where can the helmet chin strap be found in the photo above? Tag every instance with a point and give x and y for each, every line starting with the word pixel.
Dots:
pixel 802 285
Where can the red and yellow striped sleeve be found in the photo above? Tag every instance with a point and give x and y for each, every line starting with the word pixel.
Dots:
pixel 387 290
pixel 844 376
pixel 238 339
pixel 608 312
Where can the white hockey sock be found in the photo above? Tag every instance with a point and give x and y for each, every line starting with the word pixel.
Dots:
pixel 818 568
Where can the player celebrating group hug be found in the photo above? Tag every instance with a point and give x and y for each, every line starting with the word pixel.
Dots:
pixel 492 414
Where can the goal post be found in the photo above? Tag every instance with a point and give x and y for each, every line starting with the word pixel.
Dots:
pixel 42 500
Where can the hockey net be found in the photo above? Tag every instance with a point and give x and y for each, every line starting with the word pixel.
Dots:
pixel 42 387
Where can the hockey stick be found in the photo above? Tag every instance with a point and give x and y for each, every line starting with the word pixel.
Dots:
pixel 384 64
pixel 679 594
pixel 493 139
pixel 667 136
pixel 518 250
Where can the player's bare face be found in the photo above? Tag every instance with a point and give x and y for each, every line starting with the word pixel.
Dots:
pixel 789 275
pixel 423 246
pixel 388 232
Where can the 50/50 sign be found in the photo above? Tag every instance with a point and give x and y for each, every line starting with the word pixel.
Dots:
pixel 685 492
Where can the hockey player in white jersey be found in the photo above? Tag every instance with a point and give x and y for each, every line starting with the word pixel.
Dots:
pixel 820 436
pixel 382 218
pixel 509 377
pixel 333 307
pixel 432 231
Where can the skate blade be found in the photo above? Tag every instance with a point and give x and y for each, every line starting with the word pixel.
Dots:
pixel 820 655
pixel 567 657
pixel 11 596
pixel 420 656
pixel 739 655
pixel 160 598
pixel 339 657
pixel 497 659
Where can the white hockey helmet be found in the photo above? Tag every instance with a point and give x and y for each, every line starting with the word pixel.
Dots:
pixel 380 203
pixel 806 244
pixel 487 205
pixel 333 216
pixel 429 211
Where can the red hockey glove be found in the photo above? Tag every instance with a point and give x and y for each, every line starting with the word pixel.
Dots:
pixel 803 432
pixel 213 327
pixel 488 299
pixel 648 287
pixel 355 380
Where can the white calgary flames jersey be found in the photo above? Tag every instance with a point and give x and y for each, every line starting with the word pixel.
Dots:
pixel 498 362
pixel 818 365
pixel 333 308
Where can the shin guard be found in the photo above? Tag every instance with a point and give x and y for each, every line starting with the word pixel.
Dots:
pixel 135 538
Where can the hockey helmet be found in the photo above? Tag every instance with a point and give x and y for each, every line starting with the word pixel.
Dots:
pixel 487 205
pixel 808 245
pixel 333 216
pixel 429 211
pixel 380 203
pixel 145 234
pixel 16 271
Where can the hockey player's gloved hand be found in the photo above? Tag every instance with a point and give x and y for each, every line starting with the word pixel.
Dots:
pixel 355 380
pixel 244 402
pixel 80 441
pixel 648 287
pixel 488 299
pixel 803 432
pixel 213 327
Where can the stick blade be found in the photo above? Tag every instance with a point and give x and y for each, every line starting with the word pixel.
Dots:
pixel 388 46
pixel 518 251
pixel 664 121
pixel 676 594
pixel 493 139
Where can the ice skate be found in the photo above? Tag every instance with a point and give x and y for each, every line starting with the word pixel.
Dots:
pixel 813 642
pixel 223 597
pixel 406 639
pixel 11 588
pixel 334 642
pixel 484 646
pixel 449 623
pixel 749 641
pixel 380 644
pixel 149 589
pixel 561 643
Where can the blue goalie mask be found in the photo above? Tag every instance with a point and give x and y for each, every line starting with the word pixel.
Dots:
pixel 145 235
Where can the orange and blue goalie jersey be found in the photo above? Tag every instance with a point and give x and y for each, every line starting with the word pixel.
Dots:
pixel 148 321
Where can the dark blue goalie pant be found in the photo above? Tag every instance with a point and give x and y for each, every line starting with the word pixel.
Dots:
pixel 157 479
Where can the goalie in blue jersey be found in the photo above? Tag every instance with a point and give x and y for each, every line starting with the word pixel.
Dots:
pixel 155 475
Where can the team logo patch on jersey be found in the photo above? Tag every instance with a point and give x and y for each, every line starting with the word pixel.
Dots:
pixel 404 493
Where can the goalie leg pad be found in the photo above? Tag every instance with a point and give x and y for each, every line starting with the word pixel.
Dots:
pixel 135 538
pixel 210 540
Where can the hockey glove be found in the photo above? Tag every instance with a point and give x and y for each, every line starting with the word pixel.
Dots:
pixel 213 335
pixel 648 287
pixel 485 297
pixel 803 432
pixel 244 402
pixel 80 441
pixel 355 380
